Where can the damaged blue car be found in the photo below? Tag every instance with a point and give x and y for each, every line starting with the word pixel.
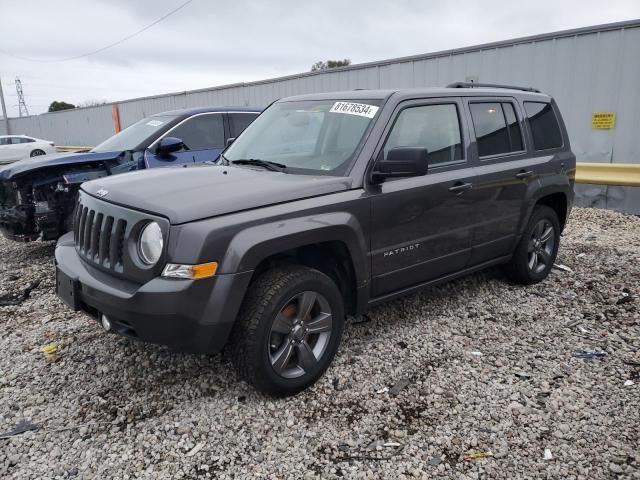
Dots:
pixel 37 195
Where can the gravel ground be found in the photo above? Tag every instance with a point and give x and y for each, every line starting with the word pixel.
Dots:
pixel 477 365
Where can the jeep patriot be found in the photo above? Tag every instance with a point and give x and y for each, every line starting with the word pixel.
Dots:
pixel 326 205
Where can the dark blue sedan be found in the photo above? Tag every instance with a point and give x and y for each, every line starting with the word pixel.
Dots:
pixel 37 195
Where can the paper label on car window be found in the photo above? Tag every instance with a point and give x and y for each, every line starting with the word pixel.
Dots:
pixel 360 109
pixel 155 123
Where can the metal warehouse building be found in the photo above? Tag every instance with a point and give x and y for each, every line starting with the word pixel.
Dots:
pixel 593 73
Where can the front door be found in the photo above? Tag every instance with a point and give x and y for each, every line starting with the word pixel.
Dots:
pixel 202 135
pixel 421 226
pixel 5 149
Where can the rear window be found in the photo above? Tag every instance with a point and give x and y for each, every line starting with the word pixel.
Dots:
pixel 544 125
pixel 496 127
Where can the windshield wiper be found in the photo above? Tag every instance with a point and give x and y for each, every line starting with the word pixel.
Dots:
pixel 273 166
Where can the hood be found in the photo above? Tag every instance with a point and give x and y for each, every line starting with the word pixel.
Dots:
pixel 192 193
pixel 29 165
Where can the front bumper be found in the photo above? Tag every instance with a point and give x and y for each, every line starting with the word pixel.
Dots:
pixel 17 224
pixel 187 315
pixel 25 223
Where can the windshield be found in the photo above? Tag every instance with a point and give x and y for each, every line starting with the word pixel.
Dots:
pixel 131 137
pixel 313 137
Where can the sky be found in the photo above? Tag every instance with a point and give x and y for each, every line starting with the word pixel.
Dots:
pixel 209 42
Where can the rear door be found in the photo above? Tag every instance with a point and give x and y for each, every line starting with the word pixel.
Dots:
pixel 203 136
pixel 503 169
pixel 421 226
pixel 22 146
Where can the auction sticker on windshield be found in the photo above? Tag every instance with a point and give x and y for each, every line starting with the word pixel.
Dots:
pixel 360 109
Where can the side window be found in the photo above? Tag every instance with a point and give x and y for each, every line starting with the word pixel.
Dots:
pixel 434 127
pixel 496 127
pixel 544 125
pixel 515 135
pixel 201 132
pixel 240 121
pixel 4 141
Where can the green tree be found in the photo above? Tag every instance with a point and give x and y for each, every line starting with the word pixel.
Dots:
pixel 57 106
pixel 330 64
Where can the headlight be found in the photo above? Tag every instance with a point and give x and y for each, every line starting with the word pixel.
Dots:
pixel 151 243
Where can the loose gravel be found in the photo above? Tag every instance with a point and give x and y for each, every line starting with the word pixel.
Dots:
pixel 475 367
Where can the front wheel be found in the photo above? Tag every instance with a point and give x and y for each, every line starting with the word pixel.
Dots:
pixel 535 254
pixel 288 330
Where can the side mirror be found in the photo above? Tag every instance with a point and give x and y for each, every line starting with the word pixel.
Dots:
pixel 402 162
pixel 229 142
pixel 169 145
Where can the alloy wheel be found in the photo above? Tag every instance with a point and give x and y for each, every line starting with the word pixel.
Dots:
pixel 541 246
pixel 300 334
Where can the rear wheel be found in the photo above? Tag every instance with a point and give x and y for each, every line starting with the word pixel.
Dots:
pixel 535 254
pixel 37 152
pixel 288 330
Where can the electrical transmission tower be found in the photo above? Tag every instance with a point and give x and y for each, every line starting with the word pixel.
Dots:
pixel 22 106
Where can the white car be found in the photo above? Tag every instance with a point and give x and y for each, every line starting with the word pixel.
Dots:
pixel 17 147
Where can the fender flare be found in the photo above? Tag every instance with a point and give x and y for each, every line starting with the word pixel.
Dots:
pixel 252 245
pixel 541 188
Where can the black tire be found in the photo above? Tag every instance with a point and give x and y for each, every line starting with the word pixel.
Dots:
pixel 255 343
pixel 37 153
pixel 520 267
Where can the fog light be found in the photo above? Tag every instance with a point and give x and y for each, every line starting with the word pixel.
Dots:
pixel 106 323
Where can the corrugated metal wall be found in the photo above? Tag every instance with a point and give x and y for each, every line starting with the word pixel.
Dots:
pixel 587 70
pixel 81 126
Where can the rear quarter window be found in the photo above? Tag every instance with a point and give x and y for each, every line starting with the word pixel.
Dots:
pixel 544 125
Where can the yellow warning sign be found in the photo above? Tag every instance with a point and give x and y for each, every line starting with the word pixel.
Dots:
pixel 603 120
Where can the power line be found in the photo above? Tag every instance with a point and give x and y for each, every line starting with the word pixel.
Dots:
pixel 122 40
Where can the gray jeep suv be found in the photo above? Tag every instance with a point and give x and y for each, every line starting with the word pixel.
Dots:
pixel 326 205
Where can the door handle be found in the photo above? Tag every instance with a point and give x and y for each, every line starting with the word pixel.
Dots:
pixel 460 187
pixel 524 174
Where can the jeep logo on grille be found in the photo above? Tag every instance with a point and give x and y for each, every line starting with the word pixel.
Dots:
pixel 102 192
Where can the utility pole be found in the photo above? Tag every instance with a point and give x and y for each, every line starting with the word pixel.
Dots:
pixel 22 106
pixel 4 111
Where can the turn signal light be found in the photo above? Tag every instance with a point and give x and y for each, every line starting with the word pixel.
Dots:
pixel 193 272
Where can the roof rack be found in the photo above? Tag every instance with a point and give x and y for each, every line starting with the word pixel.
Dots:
pixel 491 85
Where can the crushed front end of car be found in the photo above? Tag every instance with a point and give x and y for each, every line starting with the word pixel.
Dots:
pixel 37 198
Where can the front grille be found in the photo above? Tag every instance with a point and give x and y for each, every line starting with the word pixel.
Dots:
pixel 105 236
pixel 99 238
